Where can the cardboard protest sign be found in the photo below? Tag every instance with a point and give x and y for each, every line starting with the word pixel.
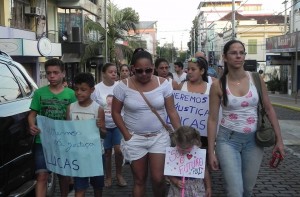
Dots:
pixel 71 148
pixel 192 109
pixel 191 164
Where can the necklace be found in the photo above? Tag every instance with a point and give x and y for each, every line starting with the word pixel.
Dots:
pixel 237 82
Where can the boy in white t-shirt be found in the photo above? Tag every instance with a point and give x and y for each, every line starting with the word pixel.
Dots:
pixel 83 109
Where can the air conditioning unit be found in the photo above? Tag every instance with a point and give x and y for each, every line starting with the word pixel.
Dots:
pixel 32 10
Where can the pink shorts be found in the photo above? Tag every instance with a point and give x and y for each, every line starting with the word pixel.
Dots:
pixel 138 146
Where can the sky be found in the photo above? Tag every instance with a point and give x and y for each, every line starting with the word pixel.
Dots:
pixel 174 17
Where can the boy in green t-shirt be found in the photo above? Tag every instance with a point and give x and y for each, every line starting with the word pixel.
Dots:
pixel 50 101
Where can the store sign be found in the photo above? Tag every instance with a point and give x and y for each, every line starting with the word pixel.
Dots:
pixel 274 60
pixel 285 43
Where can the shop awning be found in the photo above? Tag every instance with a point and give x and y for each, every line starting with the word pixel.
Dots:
pixel 70 57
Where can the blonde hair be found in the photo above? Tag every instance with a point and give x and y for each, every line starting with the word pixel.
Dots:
pixel 186 136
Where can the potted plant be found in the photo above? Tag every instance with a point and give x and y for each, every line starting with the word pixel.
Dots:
pixel 274 85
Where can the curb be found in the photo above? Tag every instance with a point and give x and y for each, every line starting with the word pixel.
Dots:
pixel 286 106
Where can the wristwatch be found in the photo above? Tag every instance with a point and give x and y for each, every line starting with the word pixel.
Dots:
pixel 44 46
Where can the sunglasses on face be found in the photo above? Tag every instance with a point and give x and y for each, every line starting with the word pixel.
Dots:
pixel 141 71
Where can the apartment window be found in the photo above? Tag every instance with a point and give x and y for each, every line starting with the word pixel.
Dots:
pixel 252 46
pixel 18 18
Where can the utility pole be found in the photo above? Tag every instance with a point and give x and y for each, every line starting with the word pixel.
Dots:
pixel 285 16
pixel 194 41
pixel 233 20
pixel 172 50
pixel 105 27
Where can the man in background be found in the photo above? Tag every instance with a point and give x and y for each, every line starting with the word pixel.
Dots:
pixel 210 71
pixel 179 75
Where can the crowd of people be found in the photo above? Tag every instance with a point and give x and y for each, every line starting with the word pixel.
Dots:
pixel 130 109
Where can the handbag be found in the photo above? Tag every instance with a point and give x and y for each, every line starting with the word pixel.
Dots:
pixel 167 127
pixel 265 135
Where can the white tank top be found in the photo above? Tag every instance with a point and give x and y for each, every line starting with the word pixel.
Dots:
pixel 184 87
pixel 240 114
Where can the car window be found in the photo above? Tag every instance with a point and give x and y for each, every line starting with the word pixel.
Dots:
pixel 25 85
pixel 9 88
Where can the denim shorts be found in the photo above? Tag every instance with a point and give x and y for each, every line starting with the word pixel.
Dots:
pixel 113 137
pixel 39 159
pixel 82 183
pixel 139 145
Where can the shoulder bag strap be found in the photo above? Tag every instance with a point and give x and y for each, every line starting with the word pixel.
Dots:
pixel 152 108
pixel 257 82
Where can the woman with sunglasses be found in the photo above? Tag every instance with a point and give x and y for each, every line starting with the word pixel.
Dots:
pixel 234 147
pixel 197 81
pixel 103 96
pixel 145 137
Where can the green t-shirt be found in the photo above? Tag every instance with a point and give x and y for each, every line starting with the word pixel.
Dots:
pixel 51 105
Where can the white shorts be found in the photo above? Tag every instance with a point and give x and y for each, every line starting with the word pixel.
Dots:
pixel 138 146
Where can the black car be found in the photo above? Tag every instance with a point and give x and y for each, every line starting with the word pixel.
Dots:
pixel 17 174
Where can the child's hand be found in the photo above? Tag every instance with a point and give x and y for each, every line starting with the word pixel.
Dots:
pixel 34 130
pixel 179 184
pixel 103 133
pixel 98 123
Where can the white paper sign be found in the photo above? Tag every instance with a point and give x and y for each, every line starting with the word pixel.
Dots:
pixel 192 109
pixel 191 164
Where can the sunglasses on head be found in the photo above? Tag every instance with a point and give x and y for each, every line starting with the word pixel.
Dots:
pixel 199 60
pixel 141 71
pixel 194 60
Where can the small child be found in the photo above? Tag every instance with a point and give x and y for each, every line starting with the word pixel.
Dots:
pixel 83 109
pixel 185 138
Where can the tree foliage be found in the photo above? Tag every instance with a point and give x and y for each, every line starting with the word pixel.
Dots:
pixel 119 22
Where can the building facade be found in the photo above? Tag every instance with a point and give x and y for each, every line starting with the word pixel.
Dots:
pixel 31 31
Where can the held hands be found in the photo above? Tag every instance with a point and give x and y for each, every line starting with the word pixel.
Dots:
pixel 34 130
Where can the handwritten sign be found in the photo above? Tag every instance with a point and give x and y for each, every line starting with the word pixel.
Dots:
pixel 192 109
pixel 71 148
pixel 191 164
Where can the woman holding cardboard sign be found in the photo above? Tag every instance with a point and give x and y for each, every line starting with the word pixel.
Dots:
pixel 197 81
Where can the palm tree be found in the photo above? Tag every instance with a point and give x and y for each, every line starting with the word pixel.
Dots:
pixel 118 24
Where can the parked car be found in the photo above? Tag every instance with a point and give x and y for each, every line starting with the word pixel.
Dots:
pixel 17 173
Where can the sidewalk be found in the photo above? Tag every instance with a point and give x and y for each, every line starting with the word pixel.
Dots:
pixel 285 100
